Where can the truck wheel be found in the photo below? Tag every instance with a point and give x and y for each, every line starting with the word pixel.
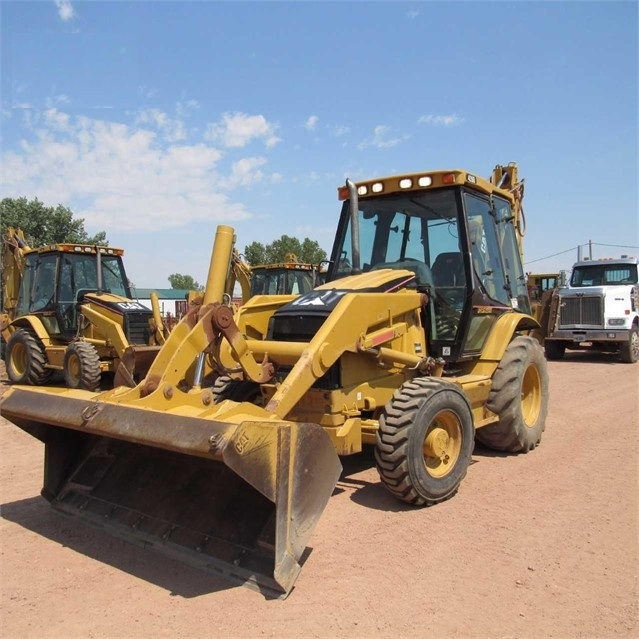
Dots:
pixel 239 390
pixel 519 396
pixel 554 350
pixel 630 349
pixel 26 359
pixel 424 441
pixel 82 366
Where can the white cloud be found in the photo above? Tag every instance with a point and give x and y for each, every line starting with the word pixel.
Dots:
pixel 127 177
pixel 311 123
pixel 66 11
pixel 338 131
pixel 55 100
pixel 412 13
pixel 441 120
pixel 382 138
pixel 173 130
pixel 245 172
pixel 239 129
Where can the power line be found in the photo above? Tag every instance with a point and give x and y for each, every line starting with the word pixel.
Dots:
pixel 553 255
pixel 615 245
pixel 540 259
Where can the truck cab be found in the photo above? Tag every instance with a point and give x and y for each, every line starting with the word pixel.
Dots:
pixel 598 310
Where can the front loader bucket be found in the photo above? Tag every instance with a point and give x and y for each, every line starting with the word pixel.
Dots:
pixel 237 499
pixel 134 364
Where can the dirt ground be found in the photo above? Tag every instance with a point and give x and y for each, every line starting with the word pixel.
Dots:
pixel 532 546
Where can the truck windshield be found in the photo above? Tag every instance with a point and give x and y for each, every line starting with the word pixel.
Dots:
pixel 604 274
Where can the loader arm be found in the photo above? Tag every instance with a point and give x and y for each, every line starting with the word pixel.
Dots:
pixel 110 329
pixel 14 246
pixel 241 273
pixel 346 329
pixel 158 330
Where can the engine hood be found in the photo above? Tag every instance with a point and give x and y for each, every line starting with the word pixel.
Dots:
pixel 116 303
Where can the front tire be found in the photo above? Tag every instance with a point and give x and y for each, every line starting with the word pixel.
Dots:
pixel 26 359
pixel 82 366
pixel 519 396
pixel 425 441
pixel 630 350
pixel 554 350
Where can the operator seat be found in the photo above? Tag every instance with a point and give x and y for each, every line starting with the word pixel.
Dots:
pixel 448 270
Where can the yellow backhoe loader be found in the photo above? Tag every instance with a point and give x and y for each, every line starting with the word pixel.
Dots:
pixel 68 307
pixel 227 452
pixel 290 277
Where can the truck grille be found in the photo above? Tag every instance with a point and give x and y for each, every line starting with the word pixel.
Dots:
pixel 136 327
pixel 581 312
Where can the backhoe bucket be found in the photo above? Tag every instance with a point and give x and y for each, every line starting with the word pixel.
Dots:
pixel 238 499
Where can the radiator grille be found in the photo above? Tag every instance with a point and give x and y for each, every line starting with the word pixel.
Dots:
pixel 136 327
pixel 581 312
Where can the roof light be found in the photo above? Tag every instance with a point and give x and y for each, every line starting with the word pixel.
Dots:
pixel 448 178
pixel 471 178
pixel 362 190
pixel 405 183
pixel 425 180
pixel 77 248
pixel 377 187
pixel 342 193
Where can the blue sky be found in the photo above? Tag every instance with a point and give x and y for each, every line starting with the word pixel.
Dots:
pixel 157 121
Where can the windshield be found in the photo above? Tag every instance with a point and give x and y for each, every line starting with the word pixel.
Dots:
pixel 281 281
pixel 604 274
pixel 399 228
pixel 81 272
pixel 418 232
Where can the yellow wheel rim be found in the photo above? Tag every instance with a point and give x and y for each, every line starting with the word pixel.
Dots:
pixel 19 359
pixel 531 396
pixel 73 368
pixel 442 444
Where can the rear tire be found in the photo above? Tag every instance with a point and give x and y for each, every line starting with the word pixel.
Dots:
pixel 519 396
pixel 425 441
pixel 26 359
pixel 82 366
pixel 554 350
pixel 630 350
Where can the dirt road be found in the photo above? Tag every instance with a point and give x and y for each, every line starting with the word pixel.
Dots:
pixel 532 546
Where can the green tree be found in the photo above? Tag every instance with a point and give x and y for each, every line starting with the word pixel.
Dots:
pixel 44 225
pixel 308 251
pixel 255 253
pixel 184 282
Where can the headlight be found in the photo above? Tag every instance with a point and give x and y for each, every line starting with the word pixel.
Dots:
pixel 617 321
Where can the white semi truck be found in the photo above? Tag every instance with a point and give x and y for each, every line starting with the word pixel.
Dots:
pixel 597 310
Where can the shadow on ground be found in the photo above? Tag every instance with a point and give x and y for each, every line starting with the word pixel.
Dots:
pixel 181 580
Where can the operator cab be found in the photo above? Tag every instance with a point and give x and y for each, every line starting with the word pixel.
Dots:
pixel 456 233
pixel 55 282
pixel 281 280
